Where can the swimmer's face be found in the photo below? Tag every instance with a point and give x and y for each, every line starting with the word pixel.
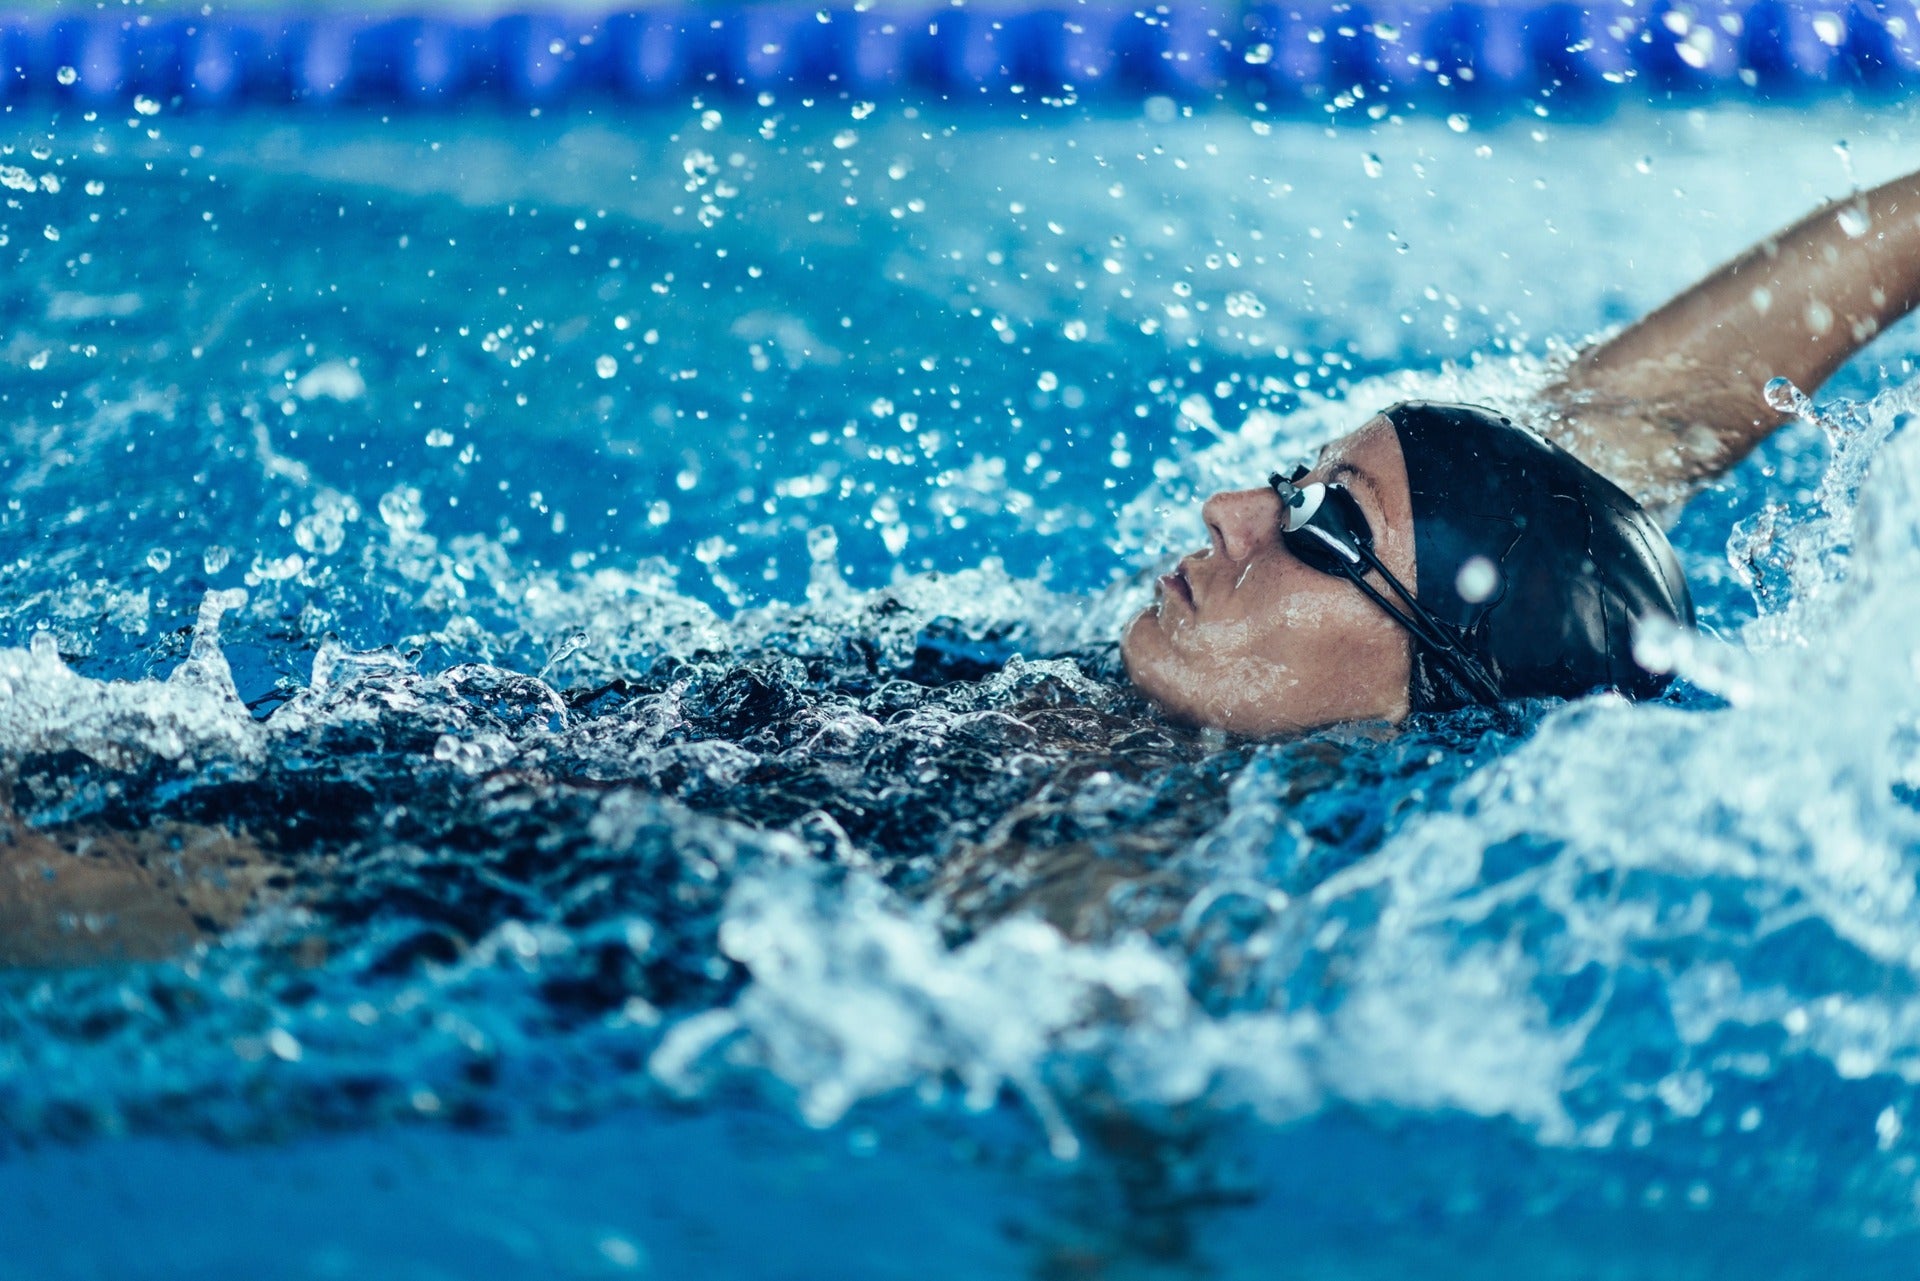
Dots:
pixel 1246 637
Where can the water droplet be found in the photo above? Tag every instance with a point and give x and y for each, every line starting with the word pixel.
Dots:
pixel 1476 580
pixel 564 650
pixel 66 75
pixel 1246 304
pixel 400 509
pixel 1458 122
pixel 1075 330
pixel 160 558
pixel 1854 219
pixel 38 360
pixel 606 366
pixel 439 438
pixel 1845 152
pixel 1786 398
pixel 622 1253
pixel 1370 163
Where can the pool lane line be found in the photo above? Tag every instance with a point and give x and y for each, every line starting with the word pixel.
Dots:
pixel 1471 52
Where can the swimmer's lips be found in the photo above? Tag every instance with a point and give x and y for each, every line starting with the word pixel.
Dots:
pixel 1176 585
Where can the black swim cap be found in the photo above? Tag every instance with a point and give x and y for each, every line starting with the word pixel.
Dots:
pixel 1542 564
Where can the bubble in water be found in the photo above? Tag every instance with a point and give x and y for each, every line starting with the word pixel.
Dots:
pixel 38 360
pixel 439 438
pixel 1370 163
pixel 160 559
pixel 1075 330
pixel 66 75
pixel 1855 220
pixel 51 232
pixel 216 558
pixel 1458 122
pixel 606 366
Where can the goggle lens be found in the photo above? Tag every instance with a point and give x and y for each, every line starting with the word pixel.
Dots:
pixel 1321 524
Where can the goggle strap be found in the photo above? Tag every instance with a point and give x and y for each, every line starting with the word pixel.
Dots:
pixel 1425 628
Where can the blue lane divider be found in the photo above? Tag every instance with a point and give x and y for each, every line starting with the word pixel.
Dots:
pixel 1274 51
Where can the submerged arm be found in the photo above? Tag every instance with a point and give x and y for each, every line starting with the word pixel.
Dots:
pixel 1678 396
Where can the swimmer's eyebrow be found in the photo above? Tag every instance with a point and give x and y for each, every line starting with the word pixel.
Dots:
pixel 1343 469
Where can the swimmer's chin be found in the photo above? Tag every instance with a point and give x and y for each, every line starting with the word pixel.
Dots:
pixel 1196 700
pixel 1246 699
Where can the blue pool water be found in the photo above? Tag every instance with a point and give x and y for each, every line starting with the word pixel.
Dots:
pixel 641 590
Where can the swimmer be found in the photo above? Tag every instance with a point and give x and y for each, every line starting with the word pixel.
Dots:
pixel 1442 555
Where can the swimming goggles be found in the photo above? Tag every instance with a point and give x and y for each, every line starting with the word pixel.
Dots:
pixel 1324 527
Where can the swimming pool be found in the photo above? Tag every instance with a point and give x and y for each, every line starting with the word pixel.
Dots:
pixel 639 586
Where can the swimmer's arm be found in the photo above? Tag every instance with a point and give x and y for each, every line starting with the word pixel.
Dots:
pixel 89 895
pixel 1678 396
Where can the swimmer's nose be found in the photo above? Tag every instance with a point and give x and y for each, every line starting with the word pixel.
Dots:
pixel 1242 521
